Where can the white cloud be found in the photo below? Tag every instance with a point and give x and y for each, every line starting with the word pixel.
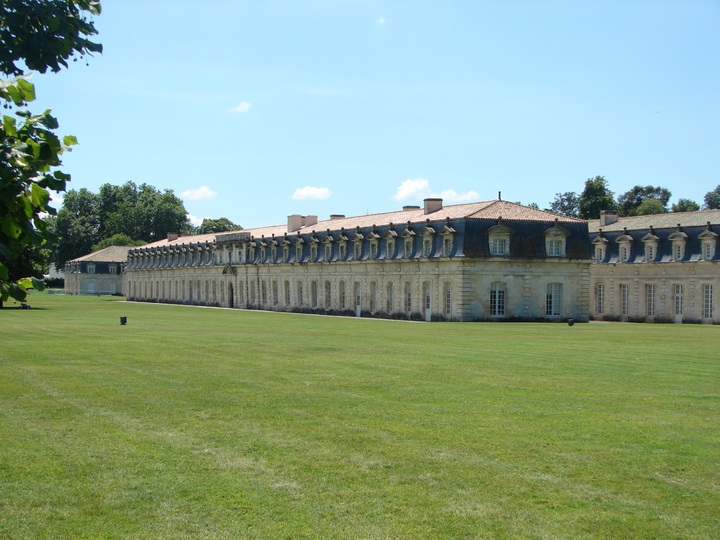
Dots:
pixel 412 188
pixel 311 192
pixel 450 195
pixel 242 107
pixel 196 221
pixel 203 192
pixel 380 20
pixel 416 189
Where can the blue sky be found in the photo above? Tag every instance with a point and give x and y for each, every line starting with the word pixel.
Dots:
pixel 253 110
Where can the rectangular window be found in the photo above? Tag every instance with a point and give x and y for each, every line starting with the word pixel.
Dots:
pixel 328 252
pixel 373 250
pixel 624 253
pixel 342 295
pixel 707 251
pixel 408 297
pixel 447 246
pixel 649 300
pixel 554 248
pixel 287 293
pixel 263 292
pixel 650 252
pixel 599 253
pixel 373 296
pixel 448 300
pixel 553 299
pixel 358 250
pixel 497 300
pixel 252 292
pixel 624 291
pixel 707 301
pixel 408 248
pixel 390 248
pixel 678 299
pixel 313 294
pixel 91 269
pixel 327 295
pixel 298 254
pixel 427 247
pixel 275 293
pixel 113 269
pixel 600 298
pixel 342 252
pixel 498 246
pixel 299 294
pixel 678 251
pixel 389 308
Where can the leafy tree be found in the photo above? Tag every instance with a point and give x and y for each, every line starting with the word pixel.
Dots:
pixel 566 204
pixel 223 224
pixel 712 199
pixel 630 201
pixel 650 206
pixel 595 198
pixel 685 205
pixel 39 35
pixel 141 213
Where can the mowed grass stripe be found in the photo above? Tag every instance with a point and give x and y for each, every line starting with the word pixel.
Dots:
pixel 208 423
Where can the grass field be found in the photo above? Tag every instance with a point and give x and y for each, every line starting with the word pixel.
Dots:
pixel 208 423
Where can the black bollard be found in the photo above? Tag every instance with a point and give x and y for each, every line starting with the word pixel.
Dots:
pixel 123 320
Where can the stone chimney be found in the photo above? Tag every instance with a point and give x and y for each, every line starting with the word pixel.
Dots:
pixel 608 217
pixel 334 217
pixel 173 236
pixel 309 221
pixel 409 208
pixel 432 205
pixel 295 222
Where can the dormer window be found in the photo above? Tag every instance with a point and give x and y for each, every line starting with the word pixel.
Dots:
pixel 342 248
pixel 427 233
pixel 113 268
pixel 600 244
pixel 298 253
pixel 373 250
pixel 328 251
pixel 624 247
pixel 427 246
pixel 91 268
pixel 409 237
pixel 448 234
pixel 678 239
pixel 651 245
pixel 408 248
pixel 555 240
pixel 358 250
pixel 708 241
pixel 390 249
pixel 499 238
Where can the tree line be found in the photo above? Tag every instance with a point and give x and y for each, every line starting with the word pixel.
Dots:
pixel 640 200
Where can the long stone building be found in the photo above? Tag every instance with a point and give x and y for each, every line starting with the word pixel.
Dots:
pixel 660 267
pixel 100 272
pixel 492 260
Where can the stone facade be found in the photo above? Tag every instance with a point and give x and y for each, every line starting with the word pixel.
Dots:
pixel 481 261
pixel 661 268
pixel 100 272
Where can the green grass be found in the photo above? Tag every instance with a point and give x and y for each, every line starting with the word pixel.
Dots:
pixel 208 423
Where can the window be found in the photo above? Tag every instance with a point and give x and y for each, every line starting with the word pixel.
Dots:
pixel 298 253
pixel 553 299
pixel 678 294
pixel 263 293
pixel 707 301
pixel 274 293
pixel 678 251
pixel 408 297
pixel 299 294
pixel 600 298
pixel 342 295
pixel 252 292
pixel 448 300
pixel 555 239
pixel 263 255
pixel 389 307
pixel 313 252
pixel 497 300
pixel 313 294
pixel 327 295
pixel 358 250
pixel 373 295
pixel 390 248
pixel 427 246
pixel 342 252
pixel 113 268
pixel 649 300
pixel 328 251
pixel 447 246
pixel 91 268
pixel 287 293
pixel 599 253
pixel 649 252
pixel 624 306
pixel 498 246
pixel 624 253
pixel 408 248
pixel 373 250
pixel 554 248
pixel 708 250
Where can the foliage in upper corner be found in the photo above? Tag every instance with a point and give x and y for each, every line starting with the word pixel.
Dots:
pixel 36 35
pixel 45 34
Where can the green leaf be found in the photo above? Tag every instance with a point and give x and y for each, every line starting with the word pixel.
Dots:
pixel 39 196
pixel 38 284
pixel 17 292
pixel 4 272
pixel 70 140
pixel 27 89
pixel 11 228
pixel 9 125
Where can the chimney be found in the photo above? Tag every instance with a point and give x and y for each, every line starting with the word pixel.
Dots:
pixel 608 217
pixel 295 222
pixel 309 221
pixel 408 208
pixel 432 205
pixel 173 236
pixel 333 217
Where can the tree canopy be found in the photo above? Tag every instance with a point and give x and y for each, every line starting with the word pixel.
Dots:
pixel 630 201
pixel 685 205
pixel 223 224
pixel 38 35
pixel 566 204
pixel 712 199
pixel 595 198
pixel 141 214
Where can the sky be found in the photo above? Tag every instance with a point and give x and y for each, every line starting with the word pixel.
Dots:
pixel 254 110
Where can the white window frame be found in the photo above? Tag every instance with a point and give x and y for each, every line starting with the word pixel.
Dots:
pixel 707 301
pixel 498 299
pixel 600 298
pixel 650 300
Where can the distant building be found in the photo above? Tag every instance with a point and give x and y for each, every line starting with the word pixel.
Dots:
pixel 661 267
pixel 492 260
pixel 100 272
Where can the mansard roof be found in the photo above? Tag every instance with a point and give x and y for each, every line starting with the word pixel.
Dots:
pixel 668 220
pixel 116 254
pixel 490 210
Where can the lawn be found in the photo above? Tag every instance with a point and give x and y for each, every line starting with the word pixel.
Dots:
pixel 210 423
